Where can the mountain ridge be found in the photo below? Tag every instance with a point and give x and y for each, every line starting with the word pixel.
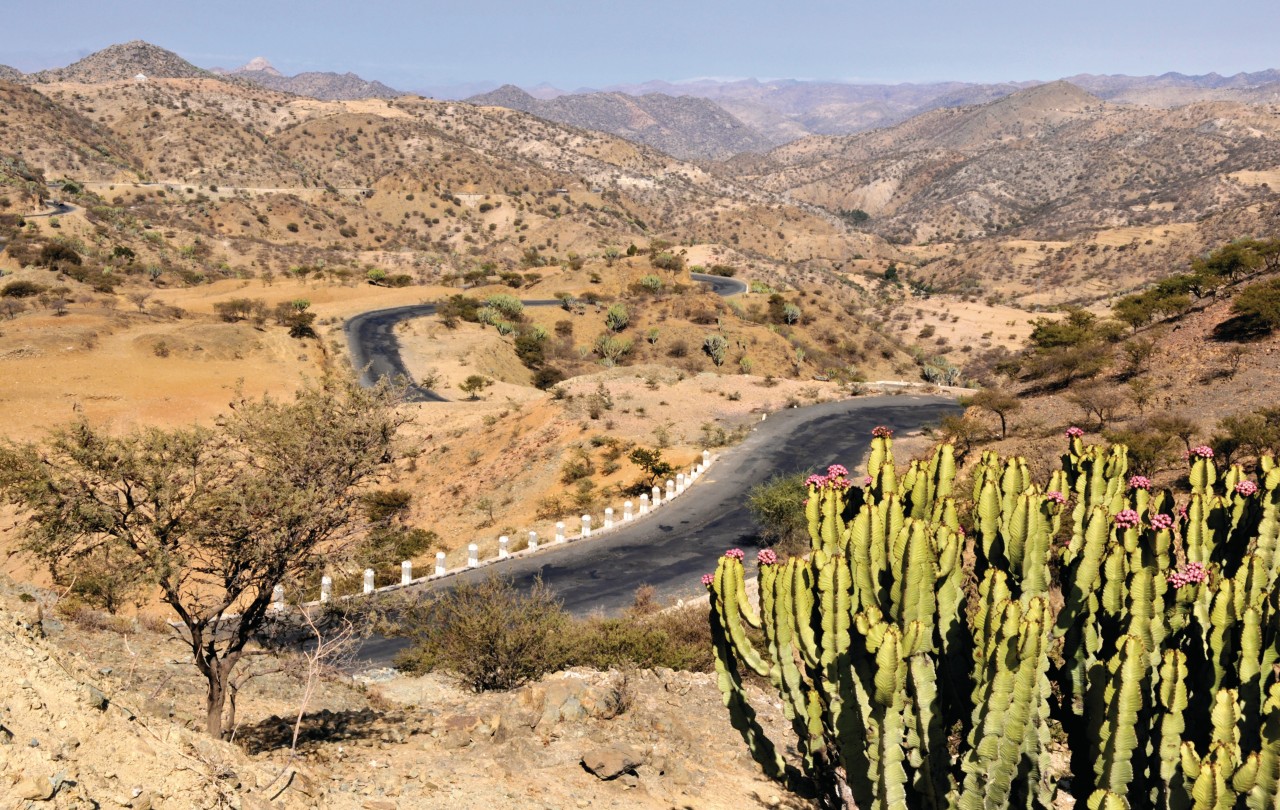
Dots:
pixel 681 126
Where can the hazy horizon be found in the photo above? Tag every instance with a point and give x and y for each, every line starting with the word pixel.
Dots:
pixel 571 44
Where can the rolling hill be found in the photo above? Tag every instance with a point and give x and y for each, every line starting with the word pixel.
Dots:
pixel 121 63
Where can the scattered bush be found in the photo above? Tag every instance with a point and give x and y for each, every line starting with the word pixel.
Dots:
pixel 494 636
pixel 716 346
pixel 490 635
pixel 21 288
pixel 617 318
pixel 57 253
pixel 777 506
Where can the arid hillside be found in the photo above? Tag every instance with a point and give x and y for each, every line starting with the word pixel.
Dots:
pixel 1048 162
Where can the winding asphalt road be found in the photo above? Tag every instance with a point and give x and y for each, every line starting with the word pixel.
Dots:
pixel 671 549
pixel 371 337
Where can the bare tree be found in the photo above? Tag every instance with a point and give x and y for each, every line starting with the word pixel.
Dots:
pixel 1100 401
pixel 215 517
pixel 1001 403
pixel 139 300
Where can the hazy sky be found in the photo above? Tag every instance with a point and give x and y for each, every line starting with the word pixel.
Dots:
pixel 573 43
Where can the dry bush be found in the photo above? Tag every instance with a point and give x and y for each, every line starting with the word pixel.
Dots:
pixel 493 636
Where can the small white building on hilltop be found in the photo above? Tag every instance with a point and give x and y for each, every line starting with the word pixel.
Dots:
pixel 141 78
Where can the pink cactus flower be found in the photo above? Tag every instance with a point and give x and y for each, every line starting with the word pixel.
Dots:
pixel 707 579
pixel 1128 519
pixel 735 554
pixel 1054 496
pixel 1202 451
pixel 1074 432
pixel 882 432
pixel 1193 573
pixel 1139 482
pixel 866 482
pixel 1182 510
pixel 834 479
pixel 1161 522
pixel 1246 488
pixel 767 556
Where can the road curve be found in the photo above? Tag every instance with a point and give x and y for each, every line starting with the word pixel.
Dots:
pixel 375 350
pixel 671 549
pixel 681 541
pixel 55 210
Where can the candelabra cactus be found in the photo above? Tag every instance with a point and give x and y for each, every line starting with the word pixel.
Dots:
pixel 1155 652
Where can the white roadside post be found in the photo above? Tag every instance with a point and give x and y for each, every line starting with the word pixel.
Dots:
pixel 473 555
pixel 657 496
pixel 644 504
pixel 368 580
pixel 586 525
pixel 608 517
pixel 533 541
pixel 626 512
pixel 503 543
pixel 679 483
pixel 671 489
pixel 326 588
pixel 440 567
pixel 706 458
pixel 560 531
pixel 406 572
pixel 277 599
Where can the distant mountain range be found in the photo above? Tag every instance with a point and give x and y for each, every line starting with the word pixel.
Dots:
pixel 682 126
pixel 706 119
pixel 126 61
pixel 786 109
pixel 324 86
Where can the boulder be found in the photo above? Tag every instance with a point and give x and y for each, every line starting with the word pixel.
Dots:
pixel 611 761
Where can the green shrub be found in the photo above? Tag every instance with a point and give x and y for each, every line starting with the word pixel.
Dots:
pixel 55 253
pixel 777 506
pixel 490 635
pixel 1257 308
pixel 617 318
pixel 21 288
pixel 493 636
pixel 508 305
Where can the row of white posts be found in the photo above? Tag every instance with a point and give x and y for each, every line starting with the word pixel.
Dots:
pixel 674 487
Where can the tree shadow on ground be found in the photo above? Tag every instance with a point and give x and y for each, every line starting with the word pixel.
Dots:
pixel 276 733
pixel 1241 329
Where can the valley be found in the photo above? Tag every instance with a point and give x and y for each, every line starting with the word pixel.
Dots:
pixel 340 327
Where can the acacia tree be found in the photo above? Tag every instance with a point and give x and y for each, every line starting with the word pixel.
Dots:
pixel 1001 403
pixel 213 517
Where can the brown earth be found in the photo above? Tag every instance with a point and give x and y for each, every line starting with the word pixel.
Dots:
pixel 103 710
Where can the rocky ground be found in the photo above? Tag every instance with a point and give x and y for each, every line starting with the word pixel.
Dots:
pixel 99 712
